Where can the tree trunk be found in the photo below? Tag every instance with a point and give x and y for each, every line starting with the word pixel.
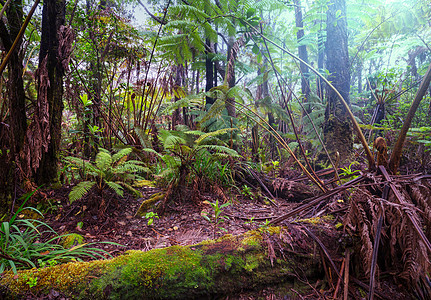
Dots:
pixel 302 53
pixel 209 270
pixel 53 16
pixel 230 75
pixel 209 75
pixel 337 129
pixel 12 131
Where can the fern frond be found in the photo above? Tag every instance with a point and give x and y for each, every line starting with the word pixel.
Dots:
pixel 131 189
pixel 214 111
pixel 120 154
pixel 172 140
pixel 214 134
pixel 103 161
pixel 220 149
pixel 79 190
pixel 150 150
pixel 115 187
pixel 188 11
pixel 131 166
pixel 171 162
pixel 81 164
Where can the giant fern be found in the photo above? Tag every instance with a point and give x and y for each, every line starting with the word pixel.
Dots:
pixel 112 171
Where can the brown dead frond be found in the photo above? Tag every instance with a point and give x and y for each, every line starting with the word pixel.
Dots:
pixel 219 192
pixel 402 250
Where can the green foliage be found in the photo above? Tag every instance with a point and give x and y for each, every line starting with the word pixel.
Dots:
pixel 150 216
pixel 217 217
pixel 23 245
pixel 112 171
pixel 194 155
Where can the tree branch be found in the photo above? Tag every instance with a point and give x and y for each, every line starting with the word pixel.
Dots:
pixel 157 19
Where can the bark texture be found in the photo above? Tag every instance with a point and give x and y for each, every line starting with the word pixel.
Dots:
pixel 338 133
pixel 14 124
pixel 53 56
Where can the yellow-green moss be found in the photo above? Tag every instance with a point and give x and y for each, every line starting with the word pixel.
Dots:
pixel 72 239
pixel 148 203
pixel 317 220
pixel 210 267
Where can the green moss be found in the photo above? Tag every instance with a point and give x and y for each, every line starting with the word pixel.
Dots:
pixel 317 220
pixel 149 203
pixel 72 239
pixel 211 267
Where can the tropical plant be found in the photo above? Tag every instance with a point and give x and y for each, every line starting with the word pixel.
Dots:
pixel 22 245
pixel 108 171
pixel 217 217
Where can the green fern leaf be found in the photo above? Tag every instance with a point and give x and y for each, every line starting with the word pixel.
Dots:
pixel 172 140
pixel 220 149
pixel 79 190
pixel 131 166
pixel 131 189
pixel 149 150
pixel 103 161
pixel 115 187
pixel 214 111
pixel 120 154
pixel 214 134
pixel 82 164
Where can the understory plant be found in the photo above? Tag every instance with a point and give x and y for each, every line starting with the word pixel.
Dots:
pixel 108 171
pixel 217 217
pixel 195 159
pixel 30 243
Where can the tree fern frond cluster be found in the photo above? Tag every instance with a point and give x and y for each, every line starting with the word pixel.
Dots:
pixel 110 170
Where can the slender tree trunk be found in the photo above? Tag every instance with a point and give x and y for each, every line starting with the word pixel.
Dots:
pixel 209 75
pixel 320 62
pixel 302 53
pixel 230 75
pixel 360 66
pixel 53 16
pixel 337 129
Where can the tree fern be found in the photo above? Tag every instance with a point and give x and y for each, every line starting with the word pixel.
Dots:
pixel 131 166
pixel 120 154
pixel 107 168
pixel 79 163
pixel 213 134
pixel 79 190
pixel 220 150
pixel 103 161
pixel 214 111
pixel 118 189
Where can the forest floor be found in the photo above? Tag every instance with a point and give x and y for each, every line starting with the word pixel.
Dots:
pixel 182 224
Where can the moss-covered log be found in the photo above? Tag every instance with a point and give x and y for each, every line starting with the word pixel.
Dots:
pixel 212 268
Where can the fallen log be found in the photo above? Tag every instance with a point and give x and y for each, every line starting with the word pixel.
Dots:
pixel 228 265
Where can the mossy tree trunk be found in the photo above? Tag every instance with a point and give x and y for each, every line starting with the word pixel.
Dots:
pixel 338 133
pixel 53 16
pixel 14 123
pixel 231 264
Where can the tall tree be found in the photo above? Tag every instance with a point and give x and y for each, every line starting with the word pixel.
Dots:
pixel 302 51
pixel 51 70
pixel 338 135
pixel 14 123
